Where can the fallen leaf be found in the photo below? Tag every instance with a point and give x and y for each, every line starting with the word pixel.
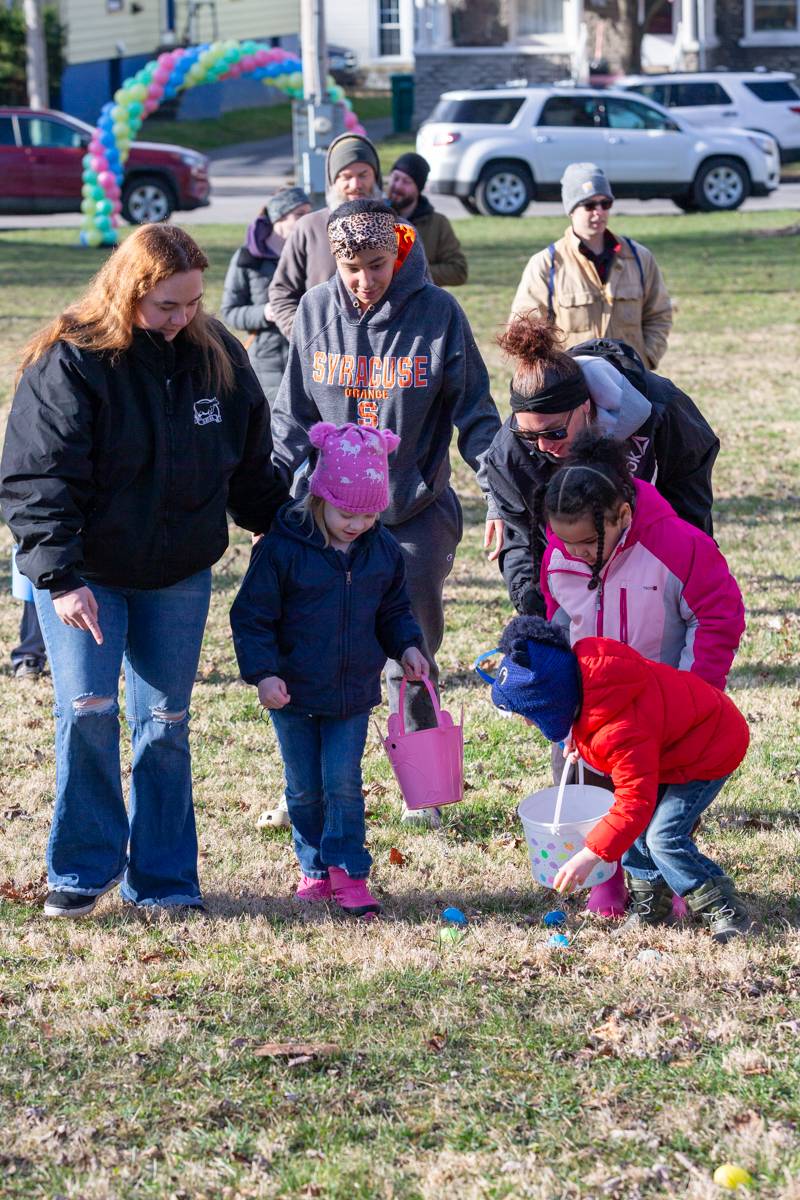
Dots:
pixel 24 893
pixel 297 1050
pixel 437 1042
pixel 396 858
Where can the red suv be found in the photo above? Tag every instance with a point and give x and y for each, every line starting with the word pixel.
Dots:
pixel 41 155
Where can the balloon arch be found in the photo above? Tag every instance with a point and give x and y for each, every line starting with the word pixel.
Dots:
pixel 160 80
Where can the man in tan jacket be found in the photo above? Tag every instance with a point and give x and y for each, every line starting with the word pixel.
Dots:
pixel 593 284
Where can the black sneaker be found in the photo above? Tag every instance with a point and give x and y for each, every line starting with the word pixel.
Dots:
pixel 721 909
pixel 28 668
pixel 73 904
pixel 650 902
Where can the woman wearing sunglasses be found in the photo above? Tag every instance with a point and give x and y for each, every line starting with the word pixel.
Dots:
pixel 592 283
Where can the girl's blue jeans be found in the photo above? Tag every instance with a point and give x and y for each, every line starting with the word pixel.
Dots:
pixel 665 850
pixel 93 841
pixel 322 760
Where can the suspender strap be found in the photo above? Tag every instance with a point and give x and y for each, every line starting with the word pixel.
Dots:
pixel 551 282
pixel 635 253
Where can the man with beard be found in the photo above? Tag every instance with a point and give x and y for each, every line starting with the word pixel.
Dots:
pixel 352 172
pixel 446 261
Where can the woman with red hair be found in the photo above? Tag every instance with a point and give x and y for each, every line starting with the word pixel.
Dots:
pixel 136 423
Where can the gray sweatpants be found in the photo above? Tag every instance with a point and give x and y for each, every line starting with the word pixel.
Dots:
pixel 428 542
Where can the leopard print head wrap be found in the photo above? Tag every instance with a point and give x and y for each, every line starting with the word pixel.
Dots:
pixel 373 229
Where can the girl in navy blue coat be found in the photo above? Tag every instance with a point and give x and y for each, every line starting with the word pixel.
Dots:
pixel 321 608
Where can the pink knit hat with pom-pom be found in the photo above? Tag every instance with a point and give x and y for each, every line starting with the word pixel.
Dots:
pixel 352 470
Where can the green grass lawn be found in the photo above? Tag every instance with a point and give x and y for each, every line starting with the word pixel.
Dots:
pixel 494 1069
pixel 246 124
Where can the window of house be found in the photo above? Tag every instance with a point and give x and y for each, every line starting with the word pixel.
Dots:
pixel 776 16
pixel 575 112
pixel 36 131
pixel 693 95
pixel 627 114
pixel 7 132
pixel 388 27
pixel 775 93
pixel 536 18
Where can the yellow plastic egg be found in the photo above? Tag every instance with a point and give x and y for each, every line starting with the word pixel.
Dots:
pixel 731 1175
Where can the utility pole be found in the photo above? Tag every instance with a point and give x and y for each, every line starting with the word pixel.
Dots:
pixel 36 55
pixel 316 122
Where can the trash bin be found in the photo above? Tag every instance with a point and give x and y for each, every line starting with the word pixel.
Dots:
pixel 402 102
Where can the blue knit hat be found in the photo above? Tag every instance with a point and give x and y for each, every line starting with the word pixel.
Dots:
pixel 538 677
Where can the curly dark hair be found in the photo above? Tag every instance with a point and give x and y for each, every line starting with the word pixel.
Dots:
pixel 594 480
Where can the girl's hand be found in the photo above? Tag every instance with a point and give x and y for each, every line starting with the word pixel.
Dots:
pixel 79 609
pixel 414 663
pixel 494 531
pixel 570 752
pixel 576 871
pixel 272 692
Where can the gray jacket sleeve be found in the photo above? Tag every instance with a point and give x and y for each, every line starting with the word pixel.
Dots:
pixel 244 295
pixel 294 411
pixel 474 411
pixel 288 284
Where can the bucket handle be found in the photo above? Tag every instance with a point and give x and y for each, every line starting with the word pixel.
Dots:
pixel 555 826
pixel 431 692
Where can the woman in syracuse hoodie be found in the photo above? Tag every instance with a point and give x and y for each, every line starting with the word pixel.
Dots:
pixel 382 346
pixel 620 563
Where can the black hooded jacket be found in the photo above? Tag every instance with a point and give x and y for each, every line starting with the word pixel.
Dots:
pixel 120 470
pixel 674 448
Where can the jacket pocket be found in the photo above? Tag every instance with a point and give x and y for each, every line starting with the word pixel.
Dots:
pixel 574 310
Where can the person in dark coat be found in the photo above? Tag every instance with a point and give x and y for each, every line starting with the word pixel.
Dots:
pixel 245 299
pixel 601 384
pixel 136 427
pixel 446 260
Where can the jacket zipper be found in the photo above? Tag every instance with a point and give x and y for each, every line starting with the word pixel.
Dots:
pixel 623 615
pixel 348 580
pixel 168 467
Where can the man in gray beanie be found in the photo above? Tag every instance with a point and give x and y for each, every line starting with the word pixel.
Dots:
pixel 593 284
pixel 353 172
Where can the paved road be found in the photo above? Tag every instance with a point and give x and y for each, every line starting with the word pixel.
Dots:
pixel 243 176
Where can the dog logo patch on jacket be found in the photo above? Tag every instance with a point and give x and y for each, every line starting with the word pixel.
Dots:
pixel 207 412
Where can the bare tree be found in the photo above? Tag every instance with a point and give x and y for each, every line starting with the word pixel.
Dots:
pixel 631 31
pixel 38 94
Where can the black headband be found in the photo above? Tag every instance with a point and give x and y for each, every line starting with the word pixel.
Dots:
pixel 560 397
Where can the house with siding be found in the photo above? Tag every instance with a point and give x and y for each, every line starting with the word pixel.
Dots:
pixel 380 32
pixel 485 43
pixel 108 40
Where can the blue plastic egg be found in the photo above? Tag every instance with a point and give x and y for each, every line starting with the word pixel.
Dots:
pixel 556 916
pixel 455 916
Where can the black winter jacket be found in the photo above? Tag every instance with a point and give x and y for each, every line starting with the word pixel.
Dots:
pixel 243 299
pixel 675 448
pixel 120 471
pixel 322 621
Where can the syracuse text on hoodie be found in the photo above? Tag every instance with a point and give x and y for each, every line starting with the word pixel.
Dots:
pixel 408 363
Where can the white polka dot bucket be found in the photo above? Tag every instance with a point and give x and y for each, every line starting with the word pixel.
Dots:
pixel 557 821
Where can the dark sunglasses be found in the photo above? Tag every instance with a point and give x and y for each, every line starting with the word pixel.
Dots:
pixel 591 205
pixel 544 435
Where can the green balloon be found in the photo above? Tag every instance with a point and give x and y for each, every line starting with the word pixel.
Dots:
pixel 98 193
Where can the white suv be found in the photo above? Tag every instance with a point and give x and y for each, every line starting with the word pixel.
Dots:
pixel 497 150
pixel 765 100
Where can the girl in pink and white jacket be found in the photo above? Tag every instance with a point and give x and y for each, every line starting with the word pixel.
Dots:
pixel 620 563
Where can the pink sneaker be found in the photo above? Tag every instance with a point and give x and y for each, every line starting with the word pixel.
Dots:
pixel 608 899
pixel 353 895
pixel 312 890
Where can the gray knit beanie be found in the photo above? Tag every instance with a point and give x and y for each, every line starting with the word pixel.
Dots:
pixel 580 182
pixel 348 149
pixel 284 202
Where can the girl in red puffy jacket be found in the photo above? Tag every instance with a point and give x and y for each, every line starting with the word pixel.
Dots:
pixel 648 726
pixel 620 563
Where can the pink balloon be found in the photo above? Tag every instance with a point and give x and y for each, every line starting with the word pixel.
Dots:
pixel 96 148
pixel 105 179
pixel 248 62
pixel 161 75
pixel 359 128
pixel 116 207
pixel 99 163
pixel 155 91
pixel 350 120
pixel 262 57
pixel 165 62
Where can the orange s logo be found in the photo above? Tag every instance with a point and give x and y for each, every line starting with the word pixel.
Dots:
pixel 368 413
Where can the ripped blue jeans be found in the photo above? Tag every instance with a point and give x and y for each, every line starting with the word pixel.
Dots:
pixel 93 840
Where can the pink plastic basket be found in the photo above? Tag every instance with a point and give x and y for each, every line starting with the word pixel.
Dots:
pixel 428 764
